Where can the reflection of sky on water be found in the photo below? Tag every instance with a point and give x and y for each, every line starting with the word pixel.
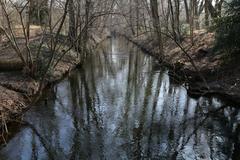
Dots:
pixel 117 107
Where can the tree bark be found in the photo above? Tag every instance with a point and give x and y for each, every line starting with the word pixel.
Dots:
pixel 72 22
pixel 187 11
pixel 206 14
pixel 211 9
pixel 157 25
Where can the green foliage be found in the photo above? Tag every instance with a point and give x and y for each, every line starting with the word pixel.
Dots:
pixel 228 29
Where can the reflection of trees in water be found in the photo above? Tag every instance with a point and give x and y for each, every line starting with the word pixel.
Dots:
pixel 37 137
pixel 42 133
pixel 116 106
pixel 78 122
pixel 83 115
pixel 138 130
pixel 236 145
pixel 171 130
pixel 155 101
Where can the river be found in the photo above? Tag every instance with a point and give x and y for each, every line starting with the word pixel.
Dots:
pixel 119 105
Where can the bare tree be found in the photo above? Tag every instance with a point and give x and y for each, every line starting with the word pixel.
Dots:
pixel 157 25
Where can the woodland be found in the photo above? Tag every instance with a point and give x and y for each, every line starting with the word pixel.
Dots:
pixel 45 43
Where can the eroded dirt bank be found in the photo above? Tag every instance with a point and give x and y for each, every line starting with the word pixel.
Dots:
pixel 222 75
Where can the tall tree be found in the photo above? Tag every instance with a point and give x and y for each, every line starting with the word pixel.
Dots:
pixel 72 31
pixel 187 11
pixel 157 25
pixel 206 13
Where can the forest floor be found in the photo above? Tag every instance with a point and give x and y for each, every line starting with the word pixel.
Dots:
pixel 222 75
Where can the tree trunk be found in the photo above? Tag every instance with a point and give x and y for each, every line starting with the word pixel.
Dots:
pixel 137 16
pixel 192 21
pixel 1 35
pixel 44 15
pixel 157 25
pixel 72 23
pixel 86 29
pixel 206 14
pixel 196 14
pixel 177 14
pixel 187 11
pixel 211 9
pixel 131 17
pixel 28 18
pixel 174 17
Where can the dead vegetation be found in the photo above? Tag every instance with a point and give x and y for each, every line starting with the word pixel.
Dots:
pixel 17 88
pixel 200 52
pixel 11 104
pixel 221 78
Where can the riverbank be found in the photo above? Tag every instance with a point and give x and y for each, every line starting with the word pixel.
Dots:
pixel 17 90
pixel 221 74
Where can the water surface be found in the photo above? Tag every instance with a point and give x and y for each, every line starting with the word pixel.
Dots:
pixel 119 106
